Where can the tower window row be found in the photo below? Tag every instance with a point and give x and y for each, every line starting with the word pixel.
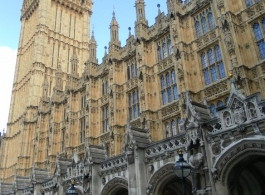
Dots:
pixel 204 22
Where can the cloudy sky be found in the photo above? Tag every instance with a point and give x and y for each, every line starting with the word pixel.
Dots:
pixel 101 18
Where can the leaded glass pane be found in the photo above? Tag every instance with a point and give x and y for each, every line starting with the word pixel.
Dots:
pixel 173 77
pixel 132 70
pixel 159 54
pixel 169 45
pixel 162 82
pixel 168 79
pixel 210 56
pixel 221 70
pixel 164 50
pixel 213 110
pixel 169 93
pixel 134 97
pixel 261 46
pixel 218 53
pixel 204 60
pixel 211 21
pixel 257 31
pixel 107 87
pixel 198 29
pixel 206 77
pixel 204 25
pixel 176 95
pixel 214 74
pixel 164 97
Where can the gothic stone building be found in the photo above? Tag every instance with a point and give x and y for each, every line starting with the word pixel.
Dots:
pixel 192 81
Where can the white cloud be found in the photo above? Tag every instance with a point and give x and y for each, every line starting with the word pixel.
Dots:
pixel 7 70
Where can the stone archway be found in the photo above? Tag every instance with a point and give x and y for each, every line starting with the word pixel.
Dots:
pixel 116 186
pixel 165 182
pixel 241 168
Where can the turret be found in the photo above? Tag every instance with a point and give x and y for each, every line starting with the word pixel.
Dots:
pixel 74 63
pixel 93 49
pixel 140 12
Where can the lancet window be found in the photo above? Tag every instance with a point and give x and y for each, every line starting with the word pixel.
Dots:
pixel 132 71
pixel 105 118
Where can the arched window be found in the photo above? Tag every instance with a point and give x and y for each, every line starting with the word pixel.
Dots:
pixel 168 79
pixel 220 64
pixel 263 23
pixel 164 97
pixel 213 109
pixel 257 31
pixel 220 103
pixel 204 60
pixel 173 76
pixel 135 105
pixel 159 54
pixel 174 127
pixel 169 94
pixel 211 21
pixel 169 45
pixel 211 57
pixel 164 50
pixel 176 95
pixel 204 25
pixel 248 3
pixel 198 29
pixel 107 87
pixel 167 130
pixel 130 104
pixel 132 70
pixel 221 70
pixel 162 82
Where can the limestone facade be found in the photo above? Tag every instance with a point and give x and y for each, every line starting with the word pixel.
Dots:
pixel 192 81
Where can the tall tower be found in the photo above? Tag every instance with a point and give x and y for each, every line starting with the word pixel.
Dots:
pixel 51 31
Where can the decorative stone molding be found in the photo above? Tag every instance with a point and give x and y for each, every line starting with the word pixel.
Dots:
pixel 113 184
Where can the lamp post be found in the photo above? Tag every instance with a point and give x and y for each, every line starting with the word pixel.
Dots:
pixel 72 189
pixel 182 169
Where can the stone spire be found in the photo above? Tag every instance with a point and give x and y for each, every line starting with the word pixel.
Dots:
pixel 93 49
pixel 74 63
pixel 140 12
pixel 114 31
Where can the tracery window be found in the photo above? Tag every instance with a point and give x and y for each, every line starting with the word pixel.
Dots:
pixel 169 88
pixel 204 22
pixel 83 101
pixel 134 107
pixel 212 65
pixel 172 127
pixel 259 36
pixel 105 118
pixel 131 69
pixel 251 2
pixel 164 48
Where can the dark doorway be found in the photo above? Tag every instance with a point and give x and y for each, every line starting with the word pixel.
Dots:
pixel 122 192
pixel 248 177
